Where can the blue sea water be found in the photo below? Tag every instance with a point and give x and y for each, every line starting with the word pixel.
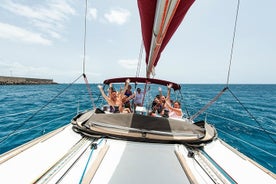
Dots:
pixel 29 111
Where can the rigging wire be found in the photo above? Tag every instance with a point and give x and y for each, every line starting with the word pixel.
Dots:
pixel 84 39
pixel 89 91
pixel 139 60
pixel 246 142
pixel 69 85
pixel 185 105
pixel 209 104
pixel 42 124
pixel 239 122
pixel 45 105
pixel 24 112
pixel 233 41
pixel 228 79
pixel 84 57
pixel 251 115
pixel 229 69
pixel 15 114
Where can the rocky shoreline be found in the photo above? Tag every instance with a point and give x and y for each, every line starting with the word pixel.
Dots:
pixel 24 81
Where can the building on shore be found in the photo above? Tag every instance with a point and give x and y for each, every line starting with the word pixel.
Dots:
pixel 23 80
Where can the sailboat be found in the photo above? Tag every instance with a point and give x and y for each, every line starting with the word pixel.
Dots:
pixel 99 146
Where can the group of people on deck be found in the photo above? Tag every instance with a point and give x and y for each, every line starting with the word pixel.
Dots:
pixel 119 102
pixel 164 106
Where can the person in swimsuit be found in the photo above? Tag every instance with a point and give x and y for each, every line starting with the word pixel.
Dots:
pixel 114 99
pixel 111 99
pixel 127 97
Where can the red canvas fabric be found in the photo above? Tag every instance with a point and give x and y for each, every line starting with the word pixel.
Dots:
pixel 147 13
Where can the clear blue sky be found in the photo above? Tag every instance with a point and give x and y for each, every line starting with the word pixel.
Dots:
pixel 44 39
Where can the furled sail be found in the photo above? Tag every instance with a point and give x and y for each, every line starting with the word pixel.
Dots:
pixel 159 21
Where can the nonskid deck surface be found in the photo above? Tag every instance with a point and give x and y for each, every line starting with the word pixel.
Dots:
pixel 241 168
pixel 67 157
pixel 28 162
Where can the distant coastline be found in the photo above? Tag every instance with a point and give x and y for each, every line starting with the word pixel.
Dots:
pixel 24 81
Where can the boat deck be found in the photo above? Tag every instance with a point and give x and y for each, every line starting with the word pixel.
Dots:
pixel 70 158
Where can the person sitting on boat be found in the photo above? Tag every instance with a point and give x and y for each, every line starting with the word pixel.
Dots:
pixel 114 99
pixel 162 101
pixel 127 97
pixel 111 99
pixel 162 97
pixel 157 106
pixel 138 98
pixel 122 101
pixel 175 111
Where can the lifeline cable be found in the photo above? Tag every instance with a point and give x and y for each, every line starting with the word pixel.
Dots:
pixel 246 142
pixel 240 123
pixel 24 122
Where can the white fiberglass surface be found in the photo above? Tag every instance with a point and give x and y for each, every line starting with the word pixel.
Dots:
pixel 238 167
pixel 29 164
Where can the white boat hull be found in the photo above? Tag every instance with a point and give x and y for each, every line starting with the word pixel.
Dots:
pixel 66 157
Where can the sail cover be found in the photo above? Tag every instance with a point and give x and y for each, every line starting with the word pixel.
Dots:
pixel 159 21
